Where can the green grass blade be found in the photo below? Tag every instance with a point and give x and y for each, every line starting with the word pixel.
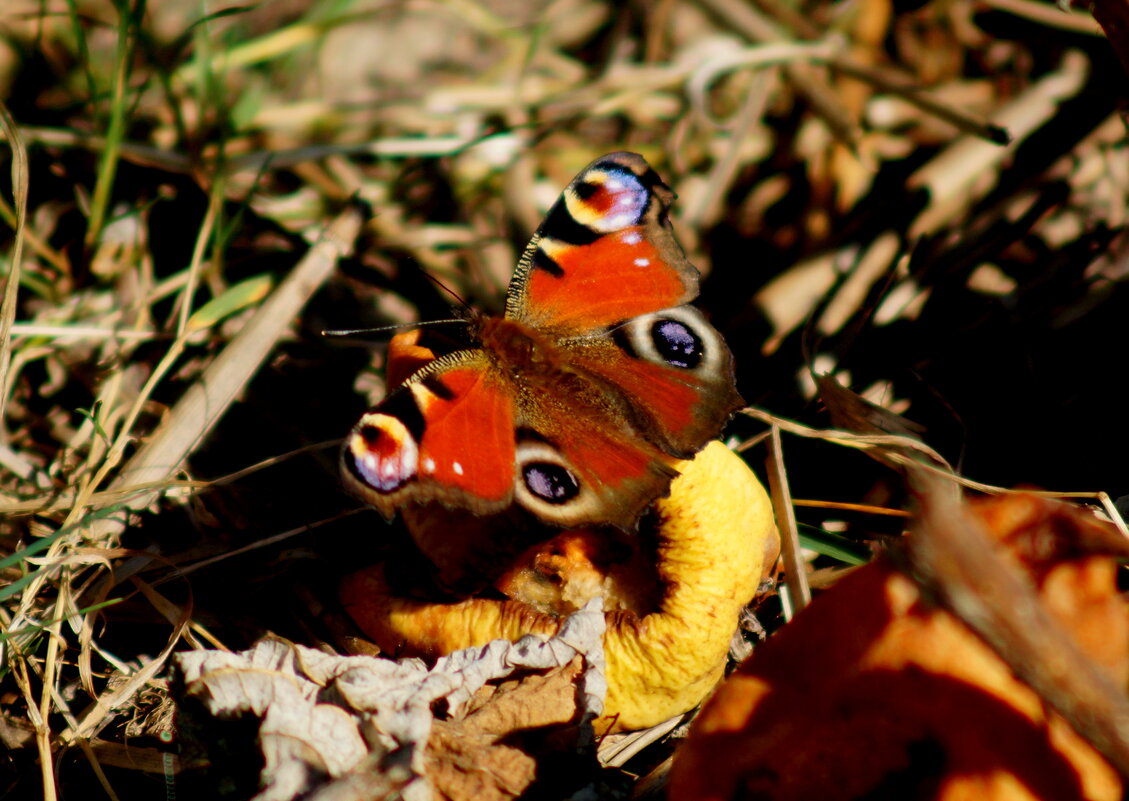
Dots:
pixel 115 131
pixel 833 545
pixel 42 627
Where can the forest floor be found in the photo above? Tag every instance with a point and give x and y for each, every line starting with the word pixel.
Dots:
pixel 925 200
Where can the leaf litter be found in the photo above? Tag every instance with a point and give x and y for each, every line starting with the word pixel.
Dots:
pixel 321 714
pixel 841 182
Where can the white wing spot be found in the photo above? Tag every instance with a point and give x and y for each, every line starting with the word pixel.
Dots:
pixel 429 465
pixel 632 238
pixel 458 468
pixel 642 262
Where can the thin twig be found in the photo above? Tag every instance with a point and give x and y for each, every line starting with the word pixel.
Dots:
pixel 796 583
pixel 958 118
pixel 1054 16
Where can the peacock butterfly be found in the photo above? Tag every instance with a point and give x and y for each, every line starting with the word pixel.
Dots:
pixel 576 402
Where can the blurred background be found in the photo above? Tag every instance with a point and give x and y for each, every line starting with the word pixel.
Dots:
pixel 926 200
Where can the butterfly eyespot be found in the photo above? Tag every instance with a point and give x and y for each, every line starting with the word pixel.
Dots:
pixel 679 338
pixel 613 199
pixel 676 343
pixel 381 454
pixel 552 483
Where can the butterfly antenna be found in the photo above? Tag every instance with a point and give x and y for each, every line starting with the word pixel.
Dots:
pixel 459 299
pixel 348 332
pixel 352 332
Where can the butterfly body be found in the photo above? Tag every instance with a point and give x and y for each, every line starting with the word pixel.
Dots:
pixel 576 402
pixel 521 351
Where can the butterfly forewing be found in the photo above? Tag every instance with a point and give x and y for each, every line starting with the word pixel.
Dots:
pixel 446 435
pixel 604 254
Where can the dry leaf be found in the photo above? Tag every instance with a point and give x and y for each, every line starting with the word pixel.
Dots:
pixel 327 717
pixel 484 756
pixel 871 691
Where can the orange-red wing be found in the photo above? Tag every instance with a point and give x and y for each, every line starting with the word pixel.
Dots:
pixel 468 437
pixel 604 254
pixel 676 410
pixel 406 356
pixel 627 473
pixel 447 436
pixel 602 283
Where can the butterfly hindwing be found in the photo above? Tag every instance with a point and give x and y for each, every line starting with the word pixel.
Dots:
pixel 673 373
pixel 606 474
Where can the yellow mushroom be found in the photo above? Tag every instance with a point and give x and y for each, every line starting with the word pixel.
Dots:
pixel 671 613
